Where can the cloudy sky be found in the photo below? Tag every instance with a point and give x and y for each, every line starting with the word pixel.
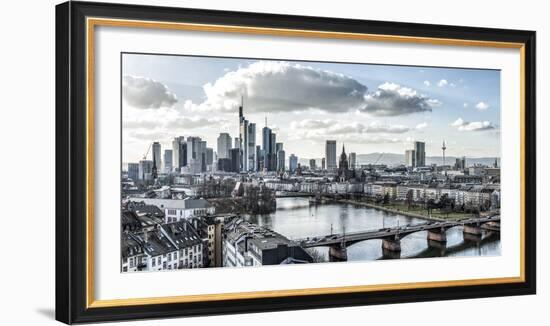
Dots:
pixel 370 108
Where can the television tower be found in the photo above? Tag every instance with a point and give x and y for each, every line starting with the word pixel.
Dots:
pixel 443 148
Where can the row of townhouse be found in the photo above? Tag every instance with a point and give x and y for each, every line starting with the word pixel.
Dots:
pixel 471 196
pixel 283 185
pixel 247 244
pixel 178 209
pixel 379 189
pixel 210 229
pixel 169 246
pixel 316 187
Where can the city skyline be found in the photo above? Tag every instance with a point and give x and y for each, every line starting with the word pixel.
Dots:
pixel 407 105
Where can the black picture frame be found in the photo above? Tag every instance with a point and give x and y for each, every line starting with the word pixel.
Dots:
pixel 71 158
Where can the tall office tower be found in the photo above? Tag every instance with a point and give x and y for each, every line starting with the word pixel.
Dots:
pixel 266 146
pixel 237 143
pixel 273 153
pixel 154 169
pixel 243 138
pixel 330 154
pixel 352 160
pixel 279 166
pixel 323 164
pixel 235 154
pixel 202 155
pixel 133 171
pixel 224 164
pixel 273 144
pixel 214 162
pixel 179 153
pixel 420 153
pixel 194 155
pixel 292 163
pixel 312 164
pixel 259 158
pixel 192 148
pixel 281 160
pixel 251 147
pixel 410 158
pixel 145 170
pixel 243 141
pixel 168 161
pixel 224 145
pixel 209 157
pixel 156 154
pixel 458 166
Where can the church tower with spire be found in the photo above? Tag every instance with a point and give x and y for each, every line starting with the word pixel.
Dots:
pixel 343 166
pixel 343 163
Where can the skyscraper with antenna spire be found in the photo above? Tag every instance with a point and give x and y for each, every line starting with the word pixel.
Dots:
pixel 243 138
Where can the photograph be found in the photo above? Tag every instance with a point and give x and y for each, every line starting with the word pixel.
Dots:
pixel 246 162
pixel 223 161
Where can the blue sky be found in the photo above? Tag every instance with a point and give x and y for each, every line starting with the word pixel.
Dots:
pixel 370 108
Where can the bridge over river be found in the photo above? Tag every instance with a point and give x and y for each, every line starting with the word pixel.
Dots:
pixel 391 236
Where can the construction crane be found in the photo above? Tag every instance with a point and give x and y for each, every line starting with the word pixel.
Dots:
pixel 148 149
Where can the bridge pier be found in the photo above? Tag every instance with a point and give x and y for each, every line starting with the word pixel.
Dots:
pixel 476 238
pixel 472 229
pixel 439 246
pixel 337 254
pixel 390 254
pixel 438 235
pixel 391 245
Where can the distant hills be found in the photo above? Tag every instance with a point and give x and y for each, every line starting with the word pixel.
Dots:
pixel 396 159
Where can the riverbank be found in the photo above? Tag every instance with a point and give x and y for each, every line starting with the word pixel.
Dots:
pixel 393 210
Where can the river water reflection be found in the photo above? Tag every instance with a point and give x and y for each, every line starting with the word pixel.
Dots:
pixel 296 218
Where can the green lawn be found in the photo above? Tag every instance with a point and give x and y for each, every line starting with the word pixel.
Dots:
pixel 421 211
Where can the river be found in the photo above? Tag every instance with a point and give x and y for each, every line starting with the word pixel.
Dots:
pixel 295 218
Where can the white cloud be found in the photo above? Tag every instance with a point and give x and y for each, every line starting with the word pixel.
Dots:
pixel 312 124
pixel 457 123
pixel 146 93
pixel 442 83
pixel 427 83
pixel 349 132
pixel 465 105
pixel 164 123
pixel 462 125
pixel 392 99
pixel 376 127
pixel 482 106
pixel 269 86
pixel 194 122
pixel 281 86
pixel 421 126
pixel 330 127
pixel 357 138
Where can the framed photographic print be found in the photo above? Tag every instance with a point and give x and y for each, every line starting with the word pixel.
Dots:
pixel 214 162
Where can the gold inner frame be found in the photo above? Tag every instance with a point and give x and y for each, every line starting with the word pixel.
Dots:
pixel 92 22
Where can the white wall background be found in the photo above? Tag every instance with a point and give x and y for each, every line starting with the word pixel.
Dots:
pixel 27 160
